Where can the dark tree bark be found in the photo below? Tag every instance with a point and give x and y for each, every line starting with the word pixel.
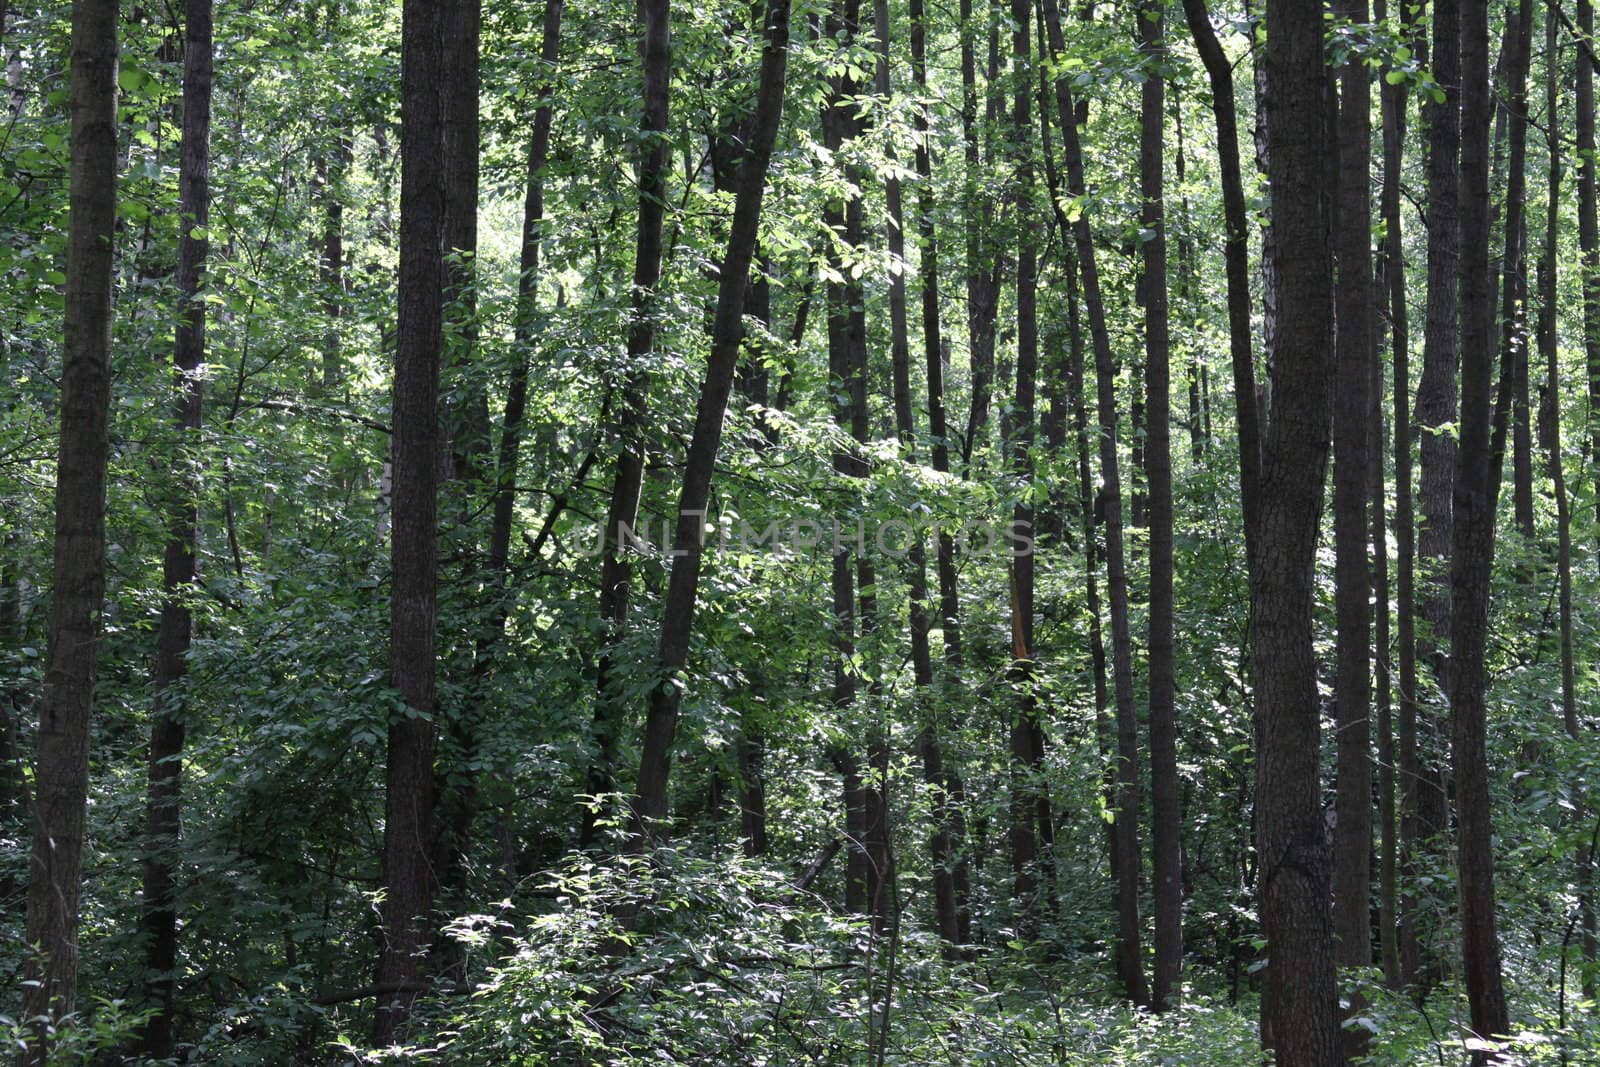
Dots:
pixel 1516 57
pixel 983 261
pixel 1299 1007
pixel 61 753
pixel 1166 816
pixel 1236 255
pixel 467 415
pixel 1353 298
pixel 1435 416
pixel 1476 489
pixel 945 843
pixel 1589 221
pixel 413 608
pixel 528 317
pixel 1130 966
pixel 163 815
pixel 677 620
pixel 1031 827
pixel 1399 923
pixel 628 480
pixel 1549 350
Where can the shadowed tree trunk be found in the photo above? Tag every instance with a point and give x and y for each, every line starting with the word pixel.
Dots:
pixel 945 843
pixel 1589 223
pixel 1353 298
pixel 628 480
pixel 677 619
pixel 1299 1006
pixel 408 873
pixel 163 807
pixel 1399 920
pixel 1435 416
pixel 61 752
pixel 1130 964
pixel 1476 488
pixel 1166 816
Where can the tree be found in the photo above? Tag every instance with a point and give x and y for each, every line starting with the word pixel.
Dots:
pixel 677 621
pixel 1166 814
pixel 1299 1010
pixel 1477 483
pixel 163 817
pixel 61 752
pixel 413 602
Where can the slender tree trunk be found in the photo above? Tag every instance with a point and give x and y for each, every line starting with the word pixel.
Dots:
pixel 163 806
pixel 1401 970
pixel 1031 827
pixel 1299 1006
pixel 467 413
pixel 408 782
pixel 1476 488
pixel 945 843
pixel 982 260
pixel 1517 57
pixel 677 620
pixel 1236 255
pixel 1353 298
pixel 628 481
pixel 1436 416
pixel 1130 965
pixel 61 753
pixel 1549 350
pixel 1166 816
pixel 527 326
pixel 1589 223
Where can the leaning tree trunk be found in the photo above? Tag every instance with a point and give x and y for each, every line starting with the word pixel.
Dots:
pixel 1476 489
pixel 413 606
pixel 1130 964
pixel 1299 1005
pixel 677 620
pixel 61 755
pixel 163 807
pixel 1166 816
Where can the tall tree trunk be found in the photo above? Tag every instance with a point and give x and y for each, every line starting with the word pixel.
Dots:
pixel 1166 817
pixel 1589 223
pixel 61 753
pixel 1476 489
pixel 677 620
pixel 1130 965
pixel 408 780
pixel 1549 350
pixel 1517 53
pixel 1402 916
pixel 983 270
pixel 945 843
pixel 163 806
pixel 1299 1006
pixel 467 415
pixel 1353 297
pixel 1236 256
pixel 1031 827
pixel 628 480
pixel 1436 416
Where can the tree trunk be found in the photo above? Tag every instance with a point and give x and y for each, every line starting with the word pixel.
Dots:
pixel 1236 256
pixel 677 619
pixel 1399 924
pixel 1436 415
pixel 163 806
pixel 408 781
pixel 1589 223
pixel 1353 297
pixel 61 754
pixel 1130 966
pixel 1476 489
pixel 1299 1006
pixel 1166 817
pixel 628 481
pixel 945 843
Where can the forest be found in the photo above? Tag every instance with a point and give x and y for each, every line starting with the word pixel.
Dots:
pixel 799 532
